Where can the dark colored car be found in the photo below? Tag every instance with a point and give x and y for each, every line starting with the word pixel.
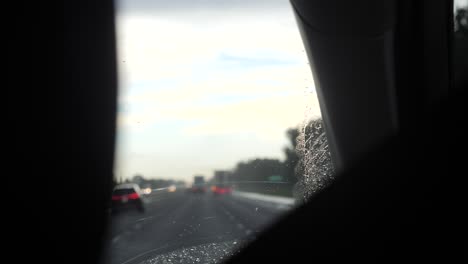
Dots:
pixel 199 185
pixel 198 188
pixel 127 196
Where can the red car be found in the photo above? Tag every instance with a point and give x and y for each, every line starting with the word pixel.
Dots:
pixel 221 189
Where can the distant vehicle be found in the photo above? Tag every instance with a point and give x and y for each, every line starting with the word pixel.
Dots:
pixel 172 188
pixel 127 196
pixel 146 190
pixel 199 185
pixel 221 185
pixel 222 189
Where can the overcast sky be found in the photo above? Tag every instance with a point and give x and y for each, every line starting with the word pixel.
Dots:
pixel 206 84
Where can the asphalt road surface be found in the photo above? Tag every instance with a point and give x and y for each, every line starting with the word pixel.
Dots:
pixel 179 219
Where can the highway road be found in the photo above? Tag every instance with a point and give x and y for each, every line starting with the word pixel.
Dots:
pixel 180 220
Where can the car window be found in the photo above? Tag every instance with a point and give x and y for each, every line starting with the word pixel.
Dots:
pixel 123 191
pixel 219 124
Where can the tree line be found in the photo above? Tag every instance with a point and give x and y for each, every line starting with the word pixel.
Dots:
pixel 306 169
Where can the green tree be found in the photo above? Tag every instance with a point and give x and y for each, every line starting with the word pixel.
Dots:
pixel 138 179
pixel 257 170
pixel 290 152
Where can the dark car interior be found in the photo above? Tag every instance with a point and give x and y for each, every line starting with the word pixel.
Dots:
pixel 390 101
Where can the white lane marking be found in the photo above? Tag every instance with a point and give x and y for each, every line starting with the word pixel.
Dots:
pixel 266 198
pixel 144 218
pixel 119 236
pixel 115 239
pixel 226 212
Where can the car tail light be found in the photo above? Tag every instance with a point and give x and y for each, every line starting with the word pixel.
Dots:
pixel 133 196
pixel 116 197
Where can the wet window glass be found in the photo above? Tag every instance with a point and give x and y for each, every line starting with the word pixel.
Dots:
pixel 218 124
pixel 123 191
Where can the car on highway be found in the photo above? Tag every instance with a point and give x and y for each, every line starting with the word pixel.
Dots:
pixel 199 185
pixel 221 183
pixel 126 197
pixel 220 189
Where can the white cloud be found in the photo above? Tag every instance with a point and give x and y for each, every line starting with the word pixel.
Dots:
pixel 265 118
pixel 284 95
pixel 170 70
pixel 152 47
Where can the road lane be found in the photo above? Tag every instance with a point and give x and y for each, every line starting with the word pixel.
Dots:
pixel 180 219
